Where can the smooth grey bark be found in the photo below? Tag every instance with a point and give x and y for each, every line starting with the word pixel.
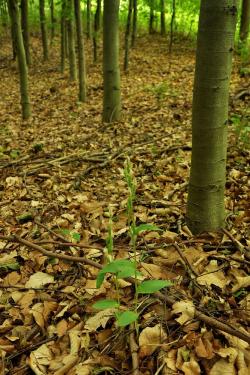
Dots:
pixel 71 40
pixel 111 70
pixel 43 29
pixel 245 20
pixel 215 45
pixel 21 58
pixel 81 58
pixel 25 29
pixel 97 24
pixel 127 35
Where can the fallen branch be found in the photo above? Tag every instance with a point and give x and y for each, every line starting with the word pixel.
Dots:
pixel 212 322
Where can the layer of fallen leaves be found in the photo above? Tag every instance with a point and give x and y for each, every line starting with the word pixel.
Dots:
pixel 59 173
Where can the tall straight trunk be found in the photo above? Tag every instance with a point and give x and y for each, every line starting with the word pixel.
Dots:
pixel 205 206
pixel 71 40
pixel 127 35
pixel 111 71
pixel 43 30
pixel 151 17
pixel 163 23
pixel 134 23
pixel 52 20
pixel 21 58
pixel 172 26
pixel 97 25
pixel 25 29
pixel 63 36
pixel 81 58
pixel 245 20
pixel 89 19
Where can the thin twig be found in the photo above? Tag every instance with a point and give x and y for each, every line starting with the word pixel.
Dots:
pixel 134 351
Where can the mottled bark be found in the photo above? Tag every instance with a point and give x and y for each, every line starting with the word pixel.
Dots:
pixel 111 71
pixel 205 207
pixel 81 58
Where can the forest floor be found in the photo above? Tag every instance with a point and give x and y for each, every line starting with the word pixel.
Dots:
pixel 60 173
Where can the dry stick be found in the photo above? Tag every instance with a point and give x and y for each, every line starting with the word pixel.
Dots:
pixel 70 244
pixel 134 351
pixel 215 323
pixel 237 243
pixel 186 261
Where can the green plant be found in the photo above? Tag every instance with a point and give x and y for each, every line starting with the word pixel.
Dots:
pixel 127 268
pixel 242 129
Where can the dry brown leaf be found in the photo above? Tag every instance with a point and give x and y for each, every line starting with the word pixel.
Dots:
pixel 150 339
pixel 38 280
pixel 186 309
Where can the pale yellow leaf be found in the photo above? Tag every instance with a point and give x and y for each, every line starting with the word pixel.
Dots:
pixel 186 309
pixel 38 280
pixel 150 339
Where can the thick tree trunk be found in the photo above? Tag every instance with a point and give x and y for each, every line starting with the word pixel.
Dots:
pixel 163 23
pixel 111 71
pixel 25 29
pixel 71 40
pixel 97 28
pixel 134 22
pixel 63 37
pixel 43 30
pixel 81 58
pixel 205 207
pixel 151 17
pixel 127 35
pixel 21 58
pixel 89 19
pixel 245 20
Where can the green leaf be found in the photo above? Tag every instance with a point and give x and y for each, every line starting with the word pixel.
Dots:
pixel 151 286
pixel 145 227
pixel 126 317
pixel 106 304
pixel 121 267
pixel 100 278
pixel 76 236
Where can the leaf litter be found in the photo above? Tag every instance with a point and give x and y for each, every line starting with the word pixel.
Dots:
pixel 61 170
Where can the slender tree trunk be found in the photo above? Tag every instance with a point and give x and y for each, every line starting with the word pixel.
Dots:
pixel 163 23
pixel 63 37
pixel 13 39
pixel 205 207
pixel 21 58
pixel 151 17
pixel 127 35
pixel 245 20
pixel 71 40
pixel 52 20
pixel 96 28
pixel 25 29
pixel 81 58
pixel 134 22
pixel 43 30
pixel 172 26
pixel 89 19
pixel 111 71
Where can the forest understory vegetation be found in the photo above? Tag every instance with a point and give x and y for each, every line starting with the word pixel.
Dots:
pixel 62 171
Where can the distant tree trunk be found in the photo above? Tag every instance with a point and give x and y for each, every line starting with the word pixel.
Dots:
pixel 81 58
pixel 205 206
pixel 21 58
pixel 127 35
pixel 163 23
pixel 71 40
pixel 25 29
pixel 96 28
pixel 172 26
pixel 89 19
pixel 134 22
pixel 43 30
pixel 111 71
pixel 245 20
pixel 63 36
pixel 151 17
pixel 13 39
pixel 52 20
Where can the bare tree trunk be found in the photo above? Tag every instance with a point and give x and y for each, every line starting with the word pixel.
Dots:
pixel 134 22
pixel 25 29
pixel 172 26
pixel 89 33
pixel 71 40
pixel 127 35
pixel 163 23
pixel 245 20
pixel 97 28
pixel 43 30
pixel 52 20
pixel 81 58
pixel 63 32
pixel 151 17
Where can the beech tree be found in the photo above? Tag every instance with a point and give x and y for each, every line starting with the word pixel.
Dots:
pixel 21 58
pixel 71 40
pixel 96 28
pixel 81 57
pixel 217 22
pixel 111 70
pixel 245 20
pixel 25 29
pixel 43 30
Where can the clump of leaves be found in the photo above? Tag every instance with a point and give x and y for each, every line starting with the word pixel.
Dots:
pixel 127 268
